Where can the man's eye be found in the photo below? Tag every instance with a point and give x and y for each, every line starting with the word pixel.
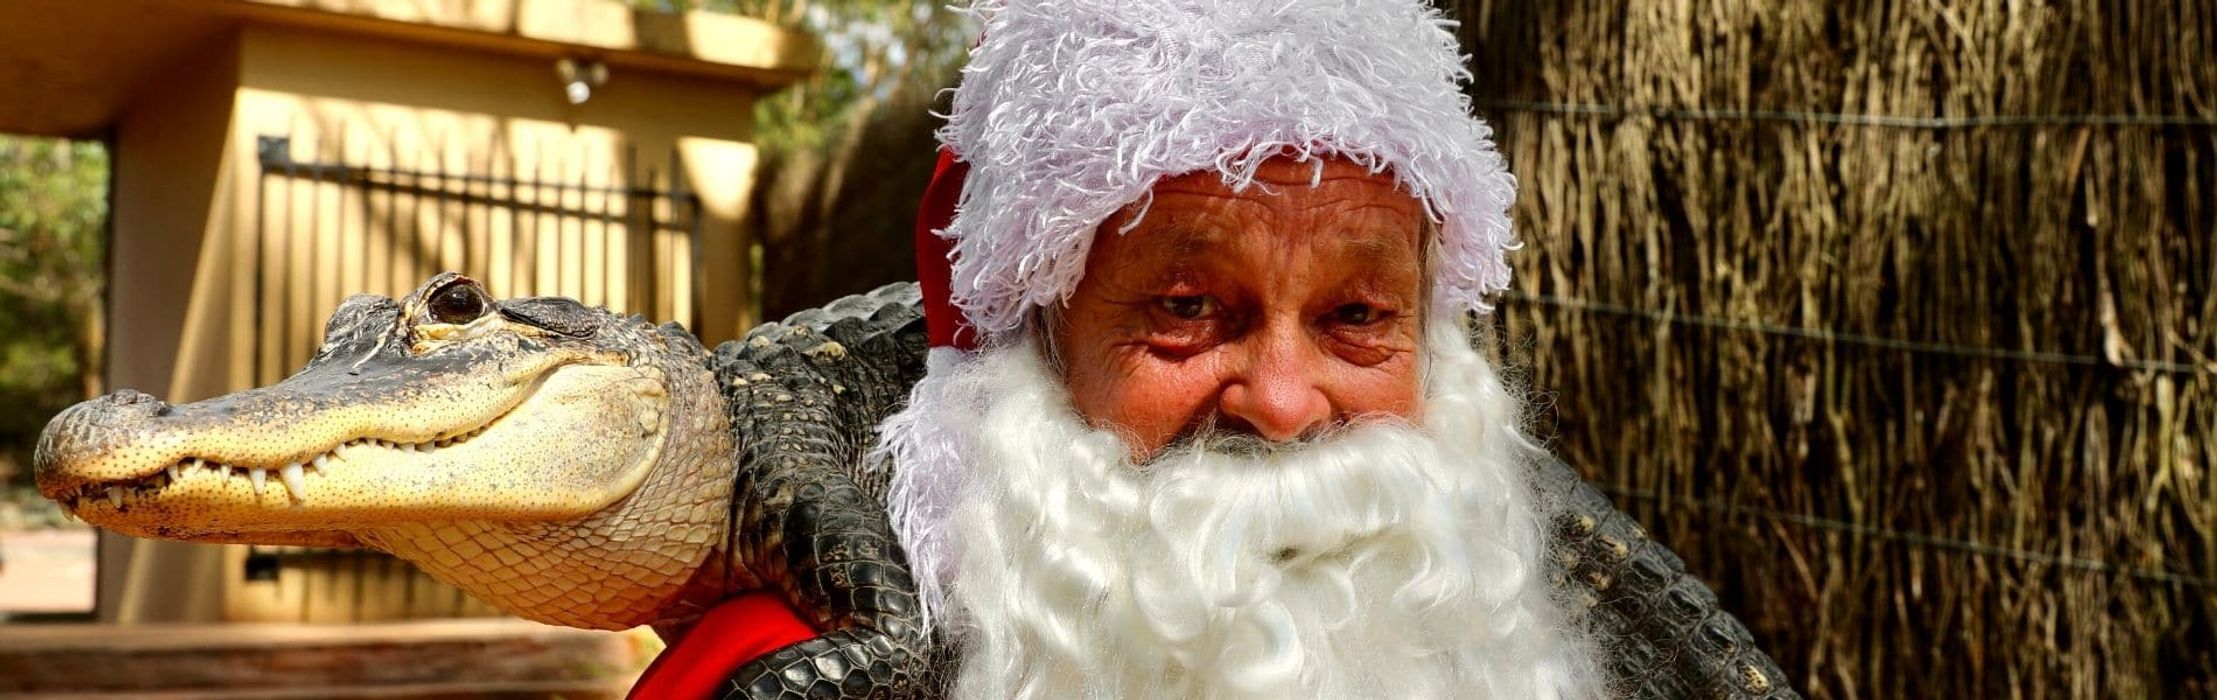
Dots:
pixel 1189 307
pixel 1356 314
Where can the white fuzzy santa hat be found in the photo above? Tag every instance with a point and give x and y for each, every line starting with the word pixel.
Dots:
pixel 1069 110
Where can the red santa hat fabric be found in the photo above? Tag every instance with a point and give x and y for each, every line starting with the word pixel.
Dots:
pixel 933 277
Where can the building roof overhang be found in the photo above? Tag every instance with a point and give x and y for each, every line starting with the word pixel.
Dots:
pixel 70 69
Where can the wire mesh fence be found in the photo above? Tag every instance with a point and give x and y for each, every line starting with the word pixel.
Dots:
pixel 1895 318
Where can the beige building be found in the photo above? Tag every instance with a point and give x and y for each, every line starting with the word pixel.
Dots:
pixel 273 156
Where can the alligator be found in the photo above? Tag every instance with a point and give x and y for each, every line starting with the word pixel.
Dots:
pixel 580 467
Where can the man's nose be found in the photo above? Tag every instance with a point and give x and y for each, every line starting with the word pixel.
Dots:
pixel 1278 392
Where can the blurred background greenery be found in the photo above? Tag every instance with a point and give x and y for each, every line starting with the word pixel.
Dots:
pixel 876 53
pixel 846 153
pixel 53 221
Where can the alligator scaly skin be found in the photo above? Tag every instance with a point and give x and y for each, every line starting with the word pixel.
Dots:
pixel 1658 629
pixel 806 396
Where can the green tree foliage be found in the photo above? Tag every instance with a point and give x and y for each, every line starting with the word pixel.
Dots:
pixel 876 52
pixel 53 224
pixel 847 152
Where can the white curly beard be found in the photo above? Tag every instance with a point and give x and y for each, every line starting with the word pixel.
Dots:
pixel 1386 560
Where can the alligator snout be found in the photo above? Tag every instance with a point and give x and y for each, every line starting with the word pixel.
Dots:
pixel 130 436
pixel 92 432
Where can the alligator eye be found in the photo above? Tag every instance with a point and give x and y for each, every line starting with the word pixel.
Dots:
pixel 457 304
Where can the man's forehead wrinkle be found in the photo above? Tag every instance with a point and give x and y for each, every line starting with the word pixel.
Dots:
pixel 1343 216
pixel 1209 213
pixel 1163 258
pixel 1330 177
pixel 1215 198
pixel 1262 190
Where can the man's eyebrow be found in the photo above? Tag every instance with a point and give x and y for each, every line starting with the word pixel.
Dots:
pixel 1171 254
pixel 1373 248
pixel 1186 241
pixel 1182 254
pixel 1176 245
pixel 1379 248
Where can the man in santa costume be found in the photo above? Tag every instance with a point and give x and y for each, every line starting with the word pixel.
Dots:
pixel 1207 421
pixel 1203 416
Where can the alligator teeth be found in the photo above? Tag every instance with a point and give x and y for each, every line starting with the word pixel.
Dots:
pixel 293 483
pixel 321 462
pixel 339 451
pixel 174 475
pixel 115 497
pixel 258 475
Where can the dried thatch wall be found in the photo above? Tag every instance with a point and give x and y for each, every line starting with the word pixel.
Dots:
pixel 2017 502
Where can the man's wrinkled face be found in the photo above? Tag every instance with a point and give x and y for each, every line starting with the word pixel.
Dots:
pixel 1161 529
pixel 1281 310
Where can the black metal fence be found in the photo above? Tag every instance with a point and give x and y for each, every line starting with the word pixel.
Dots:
pixel 326 229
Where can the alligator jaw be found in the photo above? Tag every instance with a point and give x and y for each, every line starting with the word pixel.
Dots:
pixel 505 468
pixel 411 411
pixel 294 477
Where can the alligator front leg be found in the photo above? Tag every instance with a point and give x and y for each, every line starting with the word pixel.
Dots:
pixel 808 528
pixel 839 562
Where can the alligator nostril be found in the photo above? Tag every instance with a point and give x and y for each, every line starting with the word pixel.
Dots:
pixel 138 402
pixel 130 397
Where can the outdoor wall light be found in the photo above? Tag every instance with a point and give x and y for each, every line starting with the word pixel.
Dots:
pixel 579 77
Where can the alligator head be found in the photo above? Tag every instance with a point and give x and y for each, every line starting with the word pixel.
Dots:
pixel 498 444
